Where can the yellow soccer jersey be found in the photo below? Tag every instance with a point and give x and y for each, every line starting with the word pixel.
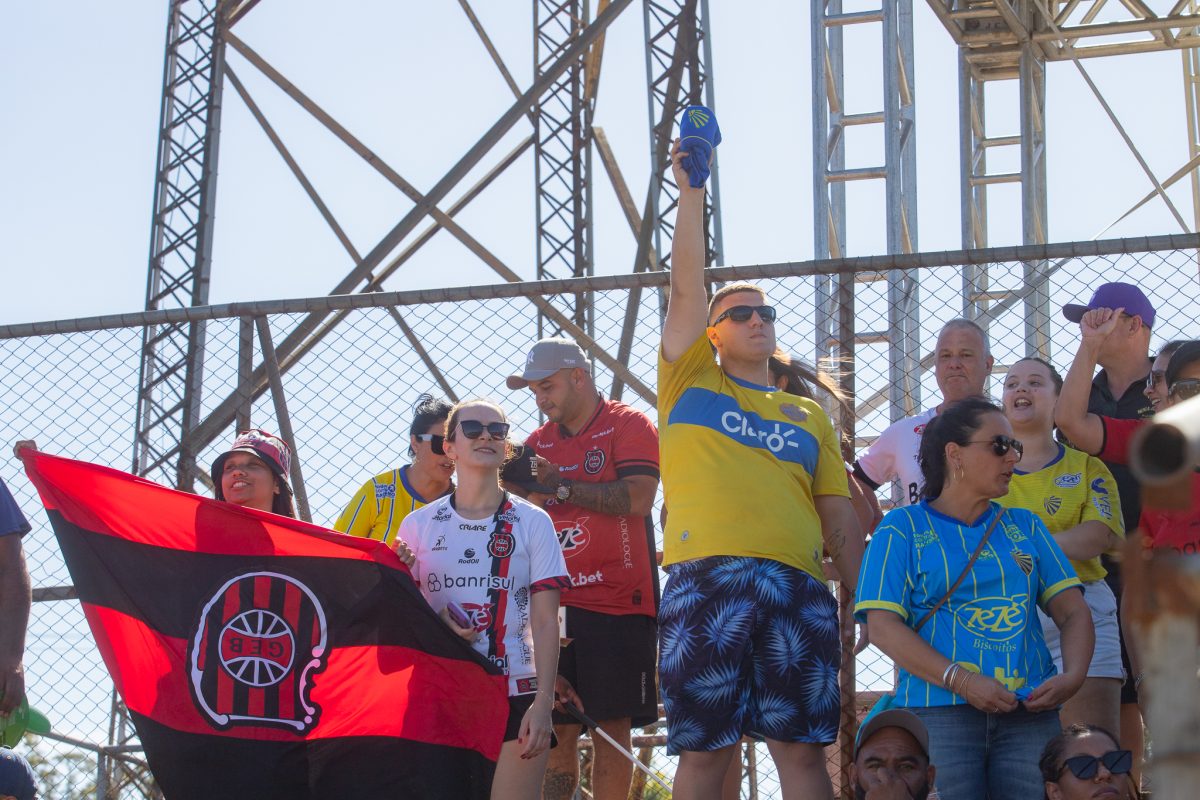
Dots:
pixel 1071 489
pixel 741 464
pixel 378 507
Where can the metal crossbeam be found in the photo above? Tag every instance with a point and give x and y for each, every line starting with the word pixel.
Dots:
pixel 993 31
pixel 172 363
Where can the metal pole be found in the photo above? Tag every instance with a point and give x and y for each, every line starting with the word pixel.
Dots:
pixel 281 414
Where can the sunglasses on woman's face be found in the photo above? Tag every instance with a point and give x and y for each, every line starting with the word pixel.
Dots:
pixel 1185 389
pixel 1001 445
pixel 743 314
pixel 473 429
pixel 434 439
pixel 1118 762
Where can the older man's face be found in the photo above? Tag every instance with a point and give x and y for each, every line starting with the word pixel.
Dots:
pixel 892 764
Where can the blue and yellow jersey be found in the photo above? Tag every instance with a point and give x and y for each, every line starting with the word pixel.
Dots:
pixel 1071 489
pixel 741 464
pixel 988 625
pixel 379 506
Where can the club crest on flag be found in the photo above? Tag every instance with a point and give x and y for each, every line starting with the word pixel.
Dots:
pixel 260 640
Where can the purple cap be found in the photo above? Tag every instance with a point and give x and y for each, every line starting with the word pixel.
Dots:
pixel 1115 295
pixel 267 446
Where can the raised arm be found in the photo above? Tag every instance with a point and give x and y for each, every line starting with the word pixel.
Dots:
pixel 1084 430
pixel 687 309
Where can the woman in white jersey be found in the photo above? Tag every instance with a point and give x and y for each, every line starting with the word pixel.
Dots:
pixel 483 554
pixel 1075 495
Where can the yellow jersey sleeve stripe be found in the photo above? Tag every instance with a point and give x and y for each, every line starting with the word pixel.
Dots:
pixel 881 605
pixel 1054 589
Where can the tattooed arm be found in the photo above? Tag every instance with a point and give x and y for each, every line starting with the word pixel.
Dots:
pixel 843 536
pixel 631 495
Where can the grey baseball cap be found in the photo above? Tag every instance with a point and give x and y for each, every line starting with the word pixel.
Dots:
pixel 547 357
pixel 893 718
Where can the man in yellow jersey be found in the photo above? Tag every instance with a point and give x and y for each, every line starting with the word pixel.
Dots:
pixel 755 488
pixel 380 504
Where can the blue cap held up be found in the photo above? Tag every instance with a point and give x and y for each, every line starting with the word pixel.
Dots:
pixel 698 136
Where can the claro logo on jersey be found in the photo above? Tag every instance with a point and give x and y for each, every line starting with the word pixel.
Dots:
pixel 574 537
pixel 995 618
pixel 260 640
pixel 785 440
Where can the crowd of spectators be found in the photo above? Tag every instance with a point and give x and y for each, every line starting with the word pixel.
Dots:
pixel 991 585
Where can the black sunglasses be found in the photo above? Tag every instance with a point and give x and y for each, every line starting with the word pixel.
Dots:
pixel 1001 445
pixel 1185 389
pixel 473 429
pixel 743 313
pixel 1118 762
pixel 435 442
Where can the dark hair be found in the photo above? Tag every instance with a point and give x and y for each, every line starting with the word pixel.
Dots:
pixel 732 288
pixel 1185 355
pixel 426 411
pixel 800 379
pixel 1054 376
pixel 1170 347
pixel 957 423
pixel 1052 755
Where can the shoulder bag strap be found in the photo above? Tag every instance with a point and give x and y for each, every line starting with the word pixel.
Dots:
pixel 962 576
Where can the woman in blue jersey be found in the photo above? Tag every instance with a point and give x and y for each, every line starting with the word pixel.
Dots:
pixel 1076 497
pixel 975 667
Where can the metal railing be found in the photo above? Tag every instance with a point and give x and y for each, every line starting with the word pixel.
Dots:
pixel 347 396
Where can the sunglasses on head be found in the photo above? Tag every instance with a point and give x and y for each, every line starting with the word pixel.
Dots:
pixel 1118 762
pixel 473 429
pixel 743 313
pixel 1001 445
pixel 1185 389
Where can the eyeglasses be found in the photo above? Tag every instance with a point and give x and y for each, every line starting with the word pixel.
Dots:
pixel 743 313
pixel 473 429
pixel 1185 389
pixel 435 439
pixel 1118 762
pixel 1155 377
pixel 1001 445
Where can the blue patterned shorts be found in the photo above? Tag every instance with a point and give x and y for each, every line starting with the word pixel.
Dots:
pixel 747 646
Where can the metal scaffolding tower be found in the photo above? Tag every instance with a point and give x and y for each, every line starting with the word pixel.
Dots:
pixel 895 166
pixel 1012 40
pixel 563 157
pixel 180 239
pixel 678 74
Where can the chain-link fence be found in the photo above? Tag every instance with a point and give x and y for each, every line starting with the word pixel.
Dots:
pixel 73 386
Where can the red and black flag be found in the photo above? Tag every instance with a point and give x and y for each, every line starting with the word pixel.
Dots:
pixel 262 657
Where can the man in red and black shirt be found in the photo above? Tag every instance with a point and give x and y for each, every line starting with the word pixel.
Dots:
pixel 599 458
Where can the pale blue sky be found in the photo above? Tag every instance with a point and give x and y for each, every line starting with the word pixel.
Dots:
pixel 80 84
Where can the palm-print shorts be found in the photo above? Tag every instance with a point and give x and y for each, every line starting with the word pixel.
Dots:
pixel 747 646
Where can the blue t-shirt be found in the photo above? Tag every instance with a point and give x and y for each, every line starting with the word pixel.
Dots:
pixel 11 518
pixel 988 625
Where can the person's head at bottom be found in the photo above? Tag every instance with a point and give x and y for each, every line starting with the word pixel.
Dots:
pixel 1085 761
pixel 254 473
pixel 17 779
pixel 891 758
